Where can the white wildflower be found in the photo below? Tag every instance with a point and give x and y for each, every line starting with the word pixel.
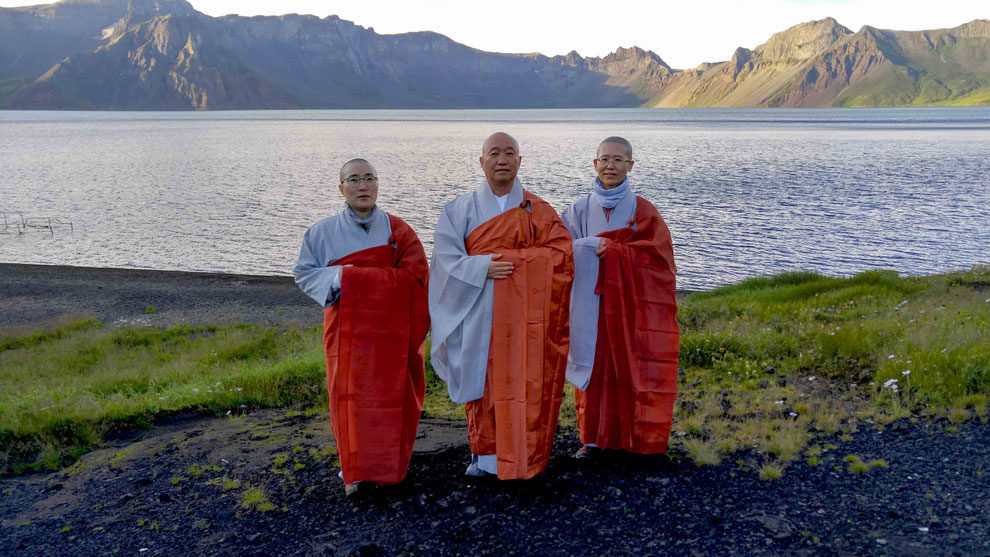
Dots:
pixel 832 334
pixel 923 529
pixel 891 357
pixel 195 390
pixel 239 389
pixel 778 402
pixel 793 414
pixel 944 350
pixel 890 384
pixel 906 372
pixel 228 412
pixel 811 378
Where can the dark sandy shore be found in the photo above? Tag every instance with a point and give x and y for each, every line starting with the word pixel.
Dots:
pixel 163 492
pixel 33 295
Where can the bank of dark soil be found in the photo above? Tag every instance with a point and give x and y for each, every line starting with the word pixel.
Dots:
pixel 146 496
pixel 34 295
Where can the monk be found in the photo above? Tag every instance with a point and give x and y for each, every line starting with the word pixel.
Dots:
pixel 369 271
pixel 624 335
pixel 500 282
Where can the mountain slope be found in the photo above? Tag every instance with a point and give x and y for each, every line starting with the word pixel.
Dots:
pixel 821 63
pixel 164 55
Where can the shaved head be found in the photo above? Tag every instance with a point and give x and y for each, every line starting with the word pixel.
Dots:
pixel 343 169
pixel 498 135
pixel 616 140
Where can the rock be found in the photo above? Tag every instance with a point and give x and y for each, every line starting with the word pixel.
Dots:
pixel 782 382
pixel 470 510
pixel 612 491
pixel 770 370
pixel 776 525
pixel 763 384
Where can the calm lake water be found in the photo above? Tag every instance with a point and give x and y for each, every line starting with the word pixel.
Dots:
pixel 745 192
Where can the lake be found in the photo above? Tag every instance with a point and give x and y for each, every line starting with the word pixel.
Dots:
pixel 744 191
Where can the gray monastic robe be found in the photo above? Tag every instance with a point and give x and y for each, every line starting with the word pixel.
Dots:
pixel 331 239
pixel 585 219
pixel 462 298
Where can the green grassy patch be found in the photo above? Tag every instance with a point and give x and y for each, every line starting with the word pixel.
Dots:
pixel 770 364
pixel 774 363
pixel 62 390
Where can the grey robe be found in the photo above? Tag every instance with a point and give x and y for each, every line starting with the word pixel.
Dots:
pixel 585 219
pixel 462 298
pixel 331 239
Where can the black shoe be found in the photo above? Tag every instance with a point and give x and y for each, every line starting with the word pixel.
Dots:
pixel 588 452
pixel 359 489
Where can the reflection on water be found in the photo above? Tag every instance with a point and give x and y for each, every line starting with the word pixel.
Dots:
pixel 744 192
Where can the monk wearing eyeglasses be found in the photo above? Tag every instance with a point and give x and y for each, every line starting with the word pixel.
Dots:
pixel 624 336
pixel 369 272
pixel 499 286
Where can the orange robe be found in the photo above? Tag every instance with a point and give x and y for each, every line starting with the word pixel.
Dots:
pixel 374 339
pixel 629 401
pixel 516 419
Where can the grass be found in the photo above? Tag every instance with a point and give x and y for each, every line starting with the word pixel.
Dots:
pixel 255 499
pixel 835 342
pixel 771 364
pixel 63 390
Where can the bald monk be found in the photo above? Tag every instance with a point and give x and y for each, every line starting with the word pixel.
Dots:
pixel 369 271
pixel 624 336
pixel 499 289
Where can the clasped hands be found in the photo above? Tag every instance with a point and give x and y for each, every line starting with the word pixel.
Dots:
pixel 502 269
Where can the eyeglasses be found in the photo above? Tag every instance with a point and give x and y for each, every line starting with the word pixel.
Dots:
pixel 612 160
pixel 354 180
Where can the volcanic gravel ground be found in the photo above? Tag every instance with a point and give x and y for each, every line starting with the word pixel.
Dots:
pixel 137 496
pixel 33 295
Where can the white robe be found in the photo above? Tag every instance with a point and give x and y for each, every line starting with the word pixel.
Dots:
pixel 331 239
pixel 462 298
pixel 585 219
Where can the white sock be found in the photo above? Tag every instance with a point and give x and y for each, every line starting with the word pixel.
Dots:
pixel 488 463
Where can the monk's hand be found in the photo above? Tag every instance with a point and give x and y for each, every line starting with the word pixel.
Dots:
pixel 499 269
pixel 601 248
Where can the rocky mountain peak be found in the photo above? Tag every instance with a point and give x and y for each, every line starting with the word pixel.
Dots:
pixel 803 41
pixel 975 28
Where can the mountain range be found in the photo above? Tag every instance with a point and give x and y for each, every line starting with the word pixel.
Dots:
pixel 165 55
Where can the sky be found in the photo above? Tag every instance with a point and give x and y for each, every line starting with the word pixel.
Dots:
pixel 684 34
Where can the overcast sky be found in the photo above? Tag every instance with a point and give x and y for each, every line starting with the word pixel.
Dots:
pixel 684 34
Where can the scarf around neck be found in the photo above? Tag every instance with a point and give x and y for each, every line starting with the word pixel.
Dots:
pixel 362 222
pixel 610 198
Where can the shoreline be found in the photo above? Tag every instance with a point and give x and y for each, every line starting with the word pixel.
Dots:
pixel 39 295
